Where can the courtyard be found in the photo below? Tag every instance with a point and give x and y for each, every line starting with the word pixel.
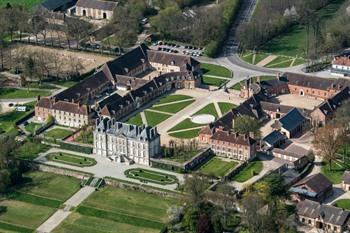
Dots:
pixel 297 101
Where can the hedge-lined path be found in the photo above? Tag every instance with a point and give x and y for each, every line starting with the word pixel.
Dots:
pixel 51 223
pixel 106 168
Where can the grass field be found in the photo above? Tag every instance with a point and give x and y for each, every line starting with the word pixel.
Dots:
pixel 186 134
pixel 111 208
pixel 206 80
pixel 32 203
pixel 12 93
pixel 173 98
pixel 226 107
pixel 336 173
pixel 252 169
pixel 183 156
pixel 217 167
pixel 88 139
pixel 215 70
pixel 71 159
pixel 185 124
pixel 209 109
pixel 30 150
pixel 28 4
pixel 58 133
pixel 343 203
pixel 150 176
pixel 32 127
pixel 135 120
pixel 173 107
pixel 280 62
pixel 7 120
pixel 155 118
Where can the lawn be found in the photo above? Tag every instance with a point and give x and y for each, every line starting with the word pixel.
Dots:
pixel 280 62
pixel 173 107
pixel 252 169
pixel 68 83
pixel 336 173
pixel 71 159
pixel 150 176
pixel 226 107
pixel 173 98
pixel 236 86
pixel 7 120
pixel 12 93
pixel 209 109
pixel 259 57
pixel 40 85
pixel 188 134
pixel 88 138
pixel 135 120
pixel 28 4
pixel 31 203
pixel 58 133
pixel 185 124
pixel 110 208
pixel 343 203
pixel 247 57
pixel 32 127
pixel 217 167
pixel 213 81
pixel 155 118
pixel 30 150
pixel 183 156
pixel 215 70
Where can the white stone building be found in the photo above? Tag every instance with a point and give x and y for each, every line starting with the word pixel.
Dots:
pixel 124 142
pixel 96 9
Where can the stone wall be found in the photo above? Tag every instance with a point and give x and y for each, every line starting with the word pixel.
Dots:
pixel 58 170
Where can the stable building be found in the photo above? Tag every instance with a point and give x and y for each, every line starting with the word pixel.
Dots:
pixel 95 9
pixel 292 124
pixel 341 64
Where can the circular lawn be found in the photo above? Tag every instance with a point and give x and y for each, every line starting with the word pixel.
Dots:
pixel 71 159
pixel 144 175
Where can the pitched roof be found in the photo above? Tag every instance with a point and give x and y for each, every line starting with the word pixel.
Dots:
pixel 330 214
pixel 329 106
pixel 274 137
pixel 65 106
pixel 97 4
pixel 55 4
pixel 288 153
pixel 292 119
pixel 316 183
pixel 234 138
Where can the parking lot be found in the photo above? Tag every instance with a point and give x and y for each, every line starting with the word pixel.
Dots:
pixel 178 48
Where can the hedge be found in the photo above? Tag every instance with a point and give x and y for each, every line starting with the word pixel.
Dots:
pixel 44 127
pixel 75 147
pixel 168 167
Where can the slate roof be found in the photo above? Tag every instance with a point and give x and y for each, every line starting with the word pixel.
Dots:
pixel 274 137
pixel 330 214
pixel 329 106
pixel 292 119
pixel 288 153
pixel 316 183
pixel 346 177
pixel 116 105
pixel 141 133
pixel 109 99
pixel 234 138
pixel 75 108
pixel 53 5
pixel 97 4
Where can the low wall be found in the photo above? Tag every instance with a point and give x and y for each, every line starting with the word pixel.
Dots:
pixel 234 171
pixel 58 170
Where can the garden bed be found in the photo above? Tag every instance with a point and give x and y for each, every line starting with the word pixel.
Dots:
pixel 71 159
pixel 150 176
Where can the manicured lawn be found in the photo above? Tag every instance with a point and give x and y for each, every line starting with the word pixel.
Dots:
pixel 32 127
pixel 7 120
pixel 185 124
pixel 78 223
pixel 58 133
pixel 41 86
pixel 336 173
pixel 173 98
pixel 173 107
pixel 237 86
pixel 298 61
pixel 150 176
pixel 155 118
pixel 186 134
pixel 110 208
pixel 226 107
pixel 209 109
pixel 213 81
pixel 252 169
pixel 247 57
pixel 12 93
pixel 343 203
pixel 215 70
pixel 217 167
pixel 71 159
pixel 28 4
pixel 259 57
pixel 30 150
pixel 135 120
pixel 183 156
pixel 87 139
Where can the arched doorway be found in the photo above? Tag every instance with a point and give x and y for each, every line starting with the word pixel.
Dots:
pixel 104 15
pixel 301 92
pixel 84 12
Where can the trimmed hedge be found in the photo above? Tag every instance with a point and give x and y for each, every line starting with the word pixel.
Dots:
pixel 44 127
pixel 75 147
pixel 168 167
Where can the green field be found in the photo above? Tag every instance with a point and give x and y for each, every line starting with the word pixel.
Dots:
pixel 186 134
pixel 173 107
pixel 206 80
pixel 185 124
pixel 183 156
pixel 343 203
pixel 173 98
pixel 135 120
pixel 155 118
pixel 58 133
pixel 226 107
pixel 252 169
pixel 32 127
pixel 7 120
pixel 336 173
pixel 259 57
pixel 30 150
pixel 29 4
pixel 12 93
pixel 215 70
pixel 109 209
pixel 71 159
pixel 209 109
pixel 217 167
pixel 150 176
pixel 280 62
pixel 87 139
pixel 247 56
pixel 30 204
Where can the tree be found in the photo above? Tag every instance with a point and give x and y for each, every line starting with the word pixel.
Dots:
pixel 246 125
pixel 29 67
pixel 77 29
pixel 327 142
pixel 195 185
pixel 342 115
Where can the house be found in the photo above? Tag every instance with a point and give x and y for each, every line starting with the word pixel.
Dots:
pixel 276 111
pixel 96 9
pixel 122 142
pixel 292 124
pixel 346 181
pixel 341 64
pixel 315 187
pixel 274 139
pixel 233 145
pixel 326 218
pixel 58 5
pixel 292 159
pixel 274 87
pixel 326 110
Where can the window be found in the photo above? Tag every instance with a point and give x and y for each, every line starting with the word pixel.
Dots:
pixel 309 221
